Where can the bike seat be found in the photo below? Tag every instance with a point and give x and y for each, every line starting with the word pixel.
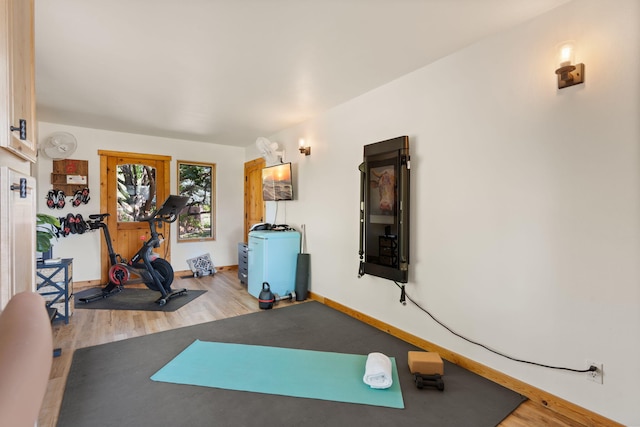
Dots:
pixel 99 217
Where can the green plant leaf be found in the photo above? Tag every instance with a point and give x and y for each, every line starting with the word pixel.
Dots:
pixel 46 230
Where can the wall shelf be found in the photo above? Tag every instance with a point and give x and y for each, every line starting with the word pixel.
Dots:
pixel 70 175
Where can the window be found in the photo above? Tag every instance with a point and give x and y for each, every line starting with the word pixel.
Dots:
pixel 136 191
pixel 197 180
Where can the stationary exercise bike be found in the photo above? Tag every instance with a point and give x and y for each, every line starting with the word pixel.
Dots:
pixel 145 266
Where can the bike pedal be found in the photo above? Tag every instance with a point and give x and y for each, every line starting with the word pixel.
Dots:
pixel 77 198
pixel 64 228
pixel 51 199
pixel 70 223
pixel 85 196
pixel 81 225
pixel 60 199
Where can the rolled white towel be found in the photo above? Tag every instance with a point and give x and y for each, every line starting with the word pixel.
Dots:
pixel 377 373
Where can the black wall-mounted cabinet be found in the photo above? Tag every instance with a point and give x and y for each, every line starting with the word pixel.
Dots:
pixel 384 210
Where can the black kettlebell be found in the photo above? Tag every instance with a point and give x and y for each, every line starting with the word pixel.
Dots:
pixel 266 297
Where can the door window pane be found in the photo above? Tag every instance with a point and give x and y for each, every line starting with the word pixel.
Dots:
pixel 136 191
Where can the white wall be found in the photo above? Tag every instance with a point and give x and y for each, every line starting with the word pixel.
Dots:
pixel 85 248
pixel 525 202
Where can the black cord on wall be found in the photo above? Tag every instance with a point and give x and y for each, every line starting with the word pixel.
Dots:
pixel 404 297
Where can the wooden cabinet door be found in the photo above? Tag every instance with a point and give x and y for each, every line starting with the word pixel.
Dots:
pixel 19 129
pixel 17 233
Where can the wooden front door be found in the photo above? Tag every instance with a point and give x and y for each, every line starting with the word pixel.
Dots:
pixel 132 186
pixel 253 203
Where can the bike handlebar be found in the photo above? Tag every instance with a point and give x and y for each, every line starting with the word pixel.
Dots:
pixel 168 212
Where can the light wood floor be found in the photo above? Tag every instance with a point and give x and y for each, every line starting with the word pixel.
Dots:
pixel 226 297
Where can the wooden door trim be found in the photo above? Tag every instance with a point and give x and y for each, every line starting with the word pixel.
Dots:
pixel 254 162
pixel 251 164
pixel 133 155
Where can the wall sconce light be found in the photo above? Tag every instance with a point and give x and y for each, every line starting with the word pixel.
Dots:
pixel 304 150
pixel 569 74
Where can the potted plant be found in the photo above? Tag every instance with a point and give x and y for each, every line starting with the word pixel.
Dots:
pixel 46 230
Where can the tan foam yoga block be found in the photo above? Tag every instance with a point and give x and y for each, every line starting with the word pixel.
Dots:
pixel 425 362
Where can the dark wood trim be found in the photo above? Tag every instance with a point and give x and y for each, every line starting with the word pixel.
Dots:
pixel 128 155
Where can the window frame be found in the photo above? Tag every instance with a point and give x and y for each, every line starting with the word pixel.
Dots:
pixel 182 171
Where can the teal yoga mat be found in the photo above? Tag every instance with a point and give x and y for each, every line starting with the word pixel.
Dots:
pixel 283 371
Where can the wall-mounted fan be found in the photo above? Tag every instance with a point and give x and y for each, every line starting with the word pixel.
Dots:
pixel 268 149
pixel 59 145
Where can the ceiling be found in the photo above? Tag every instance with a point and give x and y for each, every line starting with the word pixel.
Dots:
pixel 228 71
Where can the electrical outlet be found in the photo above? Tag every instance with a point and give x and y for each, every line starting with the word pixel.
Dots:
pixel 597 375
